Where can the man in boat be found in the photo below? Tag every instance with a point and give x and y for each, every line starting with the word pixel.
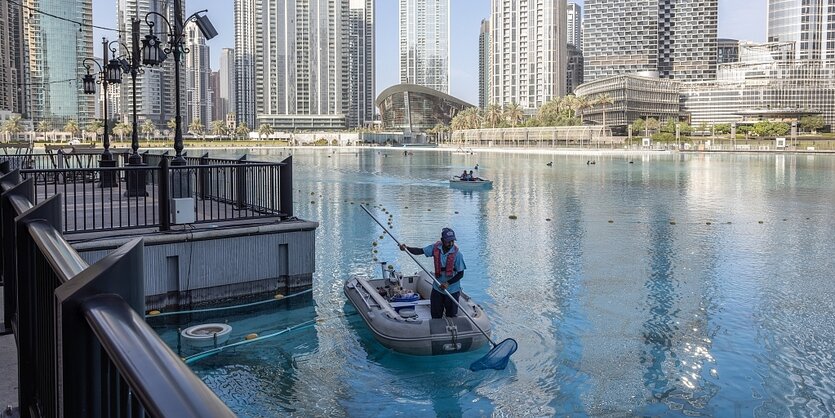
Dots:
pixel 464 176
pixel 471 177
pixel 449 269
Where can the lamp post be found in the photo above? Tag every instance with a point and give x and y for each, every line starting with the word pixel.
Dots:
pixel 110 73
pixel 153 54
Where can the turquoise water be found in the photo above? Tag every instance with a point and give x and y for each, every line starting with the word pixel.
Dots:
pixel 679 285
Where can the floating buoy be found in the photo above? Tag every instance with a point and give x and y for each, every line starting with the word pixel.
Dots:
pixel 672 222
pixel 784 219
pixel 312 193
pixel 611 221
pixel 375 251
pixel 374 259
pixel 154 312
pixel 429 210
pixel 251 336
pixel 512 217
pixel 408 208
pixel 312 202
pixel 352 203
pixel 547 219
pixel 456 212
pixel 729 223
pixel 374 243
pixel 278 296
pixel 707 223
pixel 382 236
pixel 760 222
pixel 206 335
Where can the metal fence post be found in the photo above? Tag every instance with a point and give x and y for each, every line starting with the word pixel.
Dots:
pixel 9 185
pixel 164 196
pixel 120 272
pixel 285 186
pixel 203 176
pixel 240 183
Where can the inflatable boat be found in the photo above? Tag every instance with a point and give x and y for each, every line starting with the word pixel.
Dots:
pixel 397 310
pixel 470 184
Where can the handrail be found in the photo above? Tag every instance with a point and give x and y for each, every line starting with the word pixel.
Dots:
pixel 144 168
pixel 63 259
pixel 155 374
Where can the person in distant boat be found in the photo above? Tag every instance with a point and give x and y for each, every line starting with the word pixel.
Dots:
pixel 476 166
pixel 464 176
pixel 470 176
pixel 449 269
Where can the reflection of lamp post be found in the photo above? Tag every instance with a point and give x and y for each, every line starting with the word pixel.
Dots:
pixel 154 55
pixel 111 72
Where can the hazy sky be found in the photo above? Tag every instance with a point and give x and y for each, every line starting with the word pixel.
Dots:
pixel 738 19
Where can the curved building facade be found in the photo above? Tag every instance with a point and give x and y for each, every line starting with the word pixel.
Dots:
pixel 413 108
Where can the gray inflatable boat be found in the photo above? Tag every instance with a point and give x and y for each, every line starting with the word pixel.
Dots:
pixel 396 309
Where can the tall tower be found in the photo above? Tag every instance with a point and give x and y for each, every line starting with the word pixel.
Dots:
pixel 675 38
pixel 574 24
pixel 361 72
pixel 424 43
pixel 55 50
pixel 13 85
pixel 291 63
pixel 810 24
pixel 155 98
pixel 528 51
pixel 198 102
pixel 484 64
pixel 226 83
pixel 247 16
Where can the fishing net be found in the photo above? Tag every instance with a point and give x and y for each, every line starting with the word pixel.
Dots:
pixel 496 358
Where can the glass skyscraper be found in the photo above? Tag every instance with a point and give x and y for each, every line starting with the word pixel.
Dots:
pixel 810 24
pixel 55 50
pixel 198 100
pixel 675 38
pixel 361 73
pixel 424 43
pixel 484 63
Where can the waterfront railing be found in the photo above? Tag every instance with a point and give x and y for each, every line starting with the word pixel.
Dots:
pixel 83 346
pixel 123 197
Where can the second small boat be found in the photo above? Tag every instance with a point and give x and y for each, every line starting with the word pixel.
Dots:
pixel 479 183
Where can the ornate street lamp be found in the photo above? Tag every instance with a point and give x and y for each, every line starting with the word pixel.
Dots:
pixel 154 54
pixel 107 75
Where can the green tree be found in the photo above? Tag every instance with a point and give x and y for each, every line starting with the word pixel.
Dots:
pixel 218 127
pixel 122 129
pixel 265 130
pixel 669 126
pixel 812 123
pixel 147 128
pixel 171 124
pixel 580 105
pixel 196 127
pixel 243 130
pixel 72 127
pixel 513 114
pixel 493 115
pixel 97 128
pixel 684 128
pixel 13 126
pixel 722 128
pixel 549 113
pixel 638 127
pixel 43 127
pixel 652 124
pixel 604 100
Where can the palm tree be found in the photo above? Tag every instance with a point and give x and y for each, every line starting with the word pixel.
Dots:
pixel 171 124
pixel 580 104
pixel 72 127
pixel 13 126
pixel 265 130
pixel 513 113
pixel 122 129
pixel 95 126
pixel 147 128
pixel 43 127
pixel 493 115
pixel 243 130
pixel 604 100
pixel 217 127
pixel 196 127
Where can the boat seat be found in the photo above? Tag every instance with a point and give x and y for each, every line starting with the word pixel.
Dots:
pixel 397 305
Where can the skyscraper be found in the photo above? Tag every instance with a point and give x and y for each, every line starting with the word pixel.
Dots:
pixel 574 26
pixel 54 51
pixel 361 73
pixel 198 101
pixel 13 89
pixel 155 97
pixel 424 43
pixel 528 52
pixel 574 69
pixel 226 84
pixel 484 64
pixel 675 38
pixel 810 24
pixel 291 63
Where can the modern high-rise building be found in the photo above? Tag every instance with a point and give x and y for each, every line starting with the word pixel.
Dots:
pixel 226 84
pixel 425 43
pixel 54 51
pixel 218 110
pixel 198 71
pixel 13 89
pixel 574 24
pixel 676 38
pixel 484 64
pixel 528 52
pixel 727 51
pixel 247 16
pixel 810 24
pixel 361 72
pixel 155 95
pixel 292 63
pixel 574 69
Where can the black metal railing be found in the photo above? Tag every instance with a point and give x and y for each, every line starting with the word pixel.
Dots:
pixel 110 198
pixel 83 346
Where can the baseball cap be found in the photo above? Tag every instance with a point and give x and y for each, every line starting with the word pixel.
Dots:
pixel 447 235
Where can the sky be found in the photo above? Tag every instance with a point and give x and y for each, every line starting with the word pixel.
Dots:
pixel 738 19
